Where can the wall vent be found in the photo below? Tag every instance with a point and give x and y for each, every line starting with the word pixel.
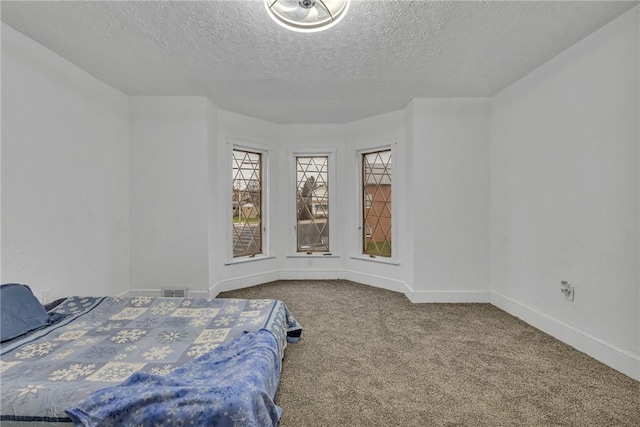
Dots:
pixel 174 293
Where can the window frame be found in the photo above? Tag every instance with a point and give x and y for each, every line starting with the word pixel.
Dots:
pixel 264 152
pixel 293 200
pixel 358 247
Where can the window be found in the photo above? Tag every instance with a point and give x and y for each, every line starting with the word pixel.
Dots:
pixel 376 203
pixel 312 204
pixel 247 203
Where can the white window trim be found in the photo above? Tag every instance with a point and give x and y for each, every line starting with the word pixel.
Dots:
pixel 357 253
pixel 264 151
pixel 331 153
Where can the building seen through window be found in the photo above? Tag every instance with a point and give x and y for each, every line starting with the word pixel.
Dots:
pixel 376 203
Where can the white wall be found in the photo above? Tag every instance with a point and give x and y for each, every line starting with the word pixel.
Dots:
pixel 385 129
pixel 450 201
pixel 450 235
pixel 233 129
pixel 212 196
pixel 169 193
pixel 280 141
pixel 302 139
pixel 564 202
pixel 65 218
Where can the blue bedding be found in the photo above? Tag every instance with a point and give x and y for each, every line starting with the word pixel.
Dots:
pixel 232 386
pixel 109 344
pixel 21 312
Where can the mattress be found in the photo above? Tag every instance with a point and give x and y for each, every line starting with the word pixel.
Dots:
pixel 109 351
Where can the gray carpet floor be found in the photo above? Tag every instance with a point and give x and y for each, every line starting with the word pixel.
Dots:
pixel 369 357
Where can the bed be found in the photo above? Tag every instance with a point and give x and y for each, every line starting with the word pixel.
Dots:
pixel 147 361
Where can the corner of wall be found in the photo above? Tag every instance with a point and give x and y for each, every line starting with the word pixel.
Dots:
pixel 536 122
pixel 245 281
pixel 613 356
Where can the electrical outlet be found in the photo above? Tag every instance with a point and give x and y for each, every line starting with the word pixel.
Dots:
pixel 571 294
pixel 568 290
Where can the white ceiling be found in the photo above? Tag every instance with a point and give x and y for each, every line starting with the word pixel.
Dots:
pixel 383 54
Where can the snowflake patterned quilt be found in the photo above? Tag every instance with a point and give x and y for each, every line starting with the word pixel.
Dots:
pixel 221 355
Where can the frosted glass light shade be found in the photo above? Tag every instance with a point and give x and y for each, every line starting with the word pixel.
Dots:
pixel 307 15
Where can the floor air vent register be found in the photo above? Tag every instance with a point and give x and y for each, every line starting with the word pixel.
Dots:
pixel 174 293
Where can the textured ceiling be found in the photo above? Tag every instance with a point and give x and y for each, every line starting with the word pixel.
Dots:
pixel 383 54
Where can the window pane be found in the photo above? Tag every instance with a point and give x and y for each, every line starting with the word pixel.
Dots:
pixel 376 203
pixel 312 204
pixel 247 203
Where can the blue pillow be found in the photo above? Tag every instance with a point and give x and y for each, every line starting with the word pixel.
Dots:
pixel 20 311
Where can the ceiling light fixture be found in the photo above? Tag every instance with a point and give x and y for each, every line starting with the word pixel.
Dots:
pixel 307 15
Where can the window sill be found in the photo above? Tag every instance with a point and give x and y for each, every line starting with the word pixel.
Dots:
pixel 380 260
pixel 249 259
pixel 313 255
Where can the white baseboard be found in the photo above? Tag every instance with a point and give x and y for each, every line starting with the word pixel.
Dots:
pixel 378 281
pixel 308 274
pixel 243 282
pixel 312 274
pixel 450 297
pixel 191 293
pixel 611 355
